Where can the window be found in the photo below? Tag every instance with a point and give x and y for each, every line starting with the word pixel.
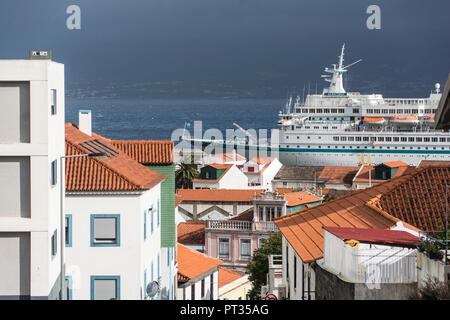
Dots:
pixel 105 287
pixel 53 102
pixel 211 286
pixel 358 138
pixel 203 288
pixel 54 243
pixel 68 280
pixel 145 224
pixel 355 110
pixel 145 282
pixel 68 230
pixel 54 172
pixel 105 230
pixel 193 291
pixel 388 139
pixel 151 221
pixel 224 248
pixel 261 213
pixel 341 110
pixel 245 246
pixel 261 241
pixel 295 272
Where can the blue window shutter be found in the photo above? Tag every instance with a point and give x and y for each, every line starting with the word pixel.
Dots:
pixel 158 266
pixel 145 224
pixel 152 221
pixel 152 271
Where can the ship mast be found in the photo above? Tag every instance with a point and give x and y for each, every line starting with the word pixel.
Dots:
pixel 335 77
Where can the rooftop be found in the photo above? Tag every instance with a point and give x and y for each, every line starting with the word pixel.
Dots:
pixel 148 152
pixel 292 172
pixel 191 232
pixel 375 236
pixel 219 195
pixel 114 172
pixel 192 264
pixel 416 198
pixel 301 197
pixel 218 166
pixel 227 276
pixel 338 175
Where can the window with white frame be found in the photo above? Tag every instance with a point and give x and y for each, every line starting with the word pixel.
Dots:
pixel 245 248
pixel 261 241
pixel 224 248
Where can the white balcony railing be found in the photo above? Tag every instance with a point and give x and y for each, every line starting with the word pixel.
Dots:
pixel 236 225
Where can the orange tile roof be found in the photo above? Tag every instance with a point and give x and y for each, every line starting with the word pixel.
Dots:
pixel 395 164
pixel 263 160
pixel 178 199
pixel 191 232
pixel 219 195
pixel 363 174
pixel 192 264
pixel 297 198
pixel 286 190
pixel 115 172
pixel 149 152
pixel 338 175
pixel 416 198
pixel 227 276
pixel 433 163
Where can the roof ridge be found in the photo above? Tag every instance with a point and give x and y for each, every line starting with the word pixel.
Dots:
pixel 390 181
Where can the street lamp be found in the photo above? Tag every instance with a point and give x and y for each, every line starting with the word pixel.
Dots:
pixel 62 227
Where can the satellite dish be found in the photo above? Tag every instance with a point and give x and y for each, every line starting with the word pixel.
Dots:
pixel 152 289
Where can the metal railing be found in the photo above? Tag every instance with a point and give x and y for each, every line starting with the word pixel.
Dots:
pixel 236 225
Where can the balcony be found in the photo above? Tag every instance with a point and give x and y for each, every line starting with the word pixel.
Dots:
pixel 235 225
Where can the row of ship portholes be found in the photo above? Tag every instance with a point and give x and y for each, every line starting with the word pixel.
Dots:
pixel 373 147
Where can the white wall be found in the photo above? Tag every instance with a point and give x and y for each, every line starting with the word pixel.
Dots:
pixel 46 143
pixel 130 259
pixel 300 291
pixel 198 288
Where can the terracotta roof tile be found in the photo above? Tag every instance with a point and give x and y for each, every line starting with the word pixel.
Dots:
pixel 191 232
pixel 376 236
pixel 219 195
pixel 227 276
pixel 192 264
pixel 395 164
pixel 416 198
pixel 148 152
pixel 115 172
pixel 218 166
pixel 297 198
pixel 338 175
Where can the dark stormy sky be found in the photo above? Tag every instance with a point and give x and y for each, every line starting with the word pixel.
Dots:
pixel 263 47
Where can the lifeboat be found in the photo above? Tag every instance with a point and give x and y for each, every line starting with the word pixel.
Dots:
pixel 429 119
pixel 411 120
pixel 369 120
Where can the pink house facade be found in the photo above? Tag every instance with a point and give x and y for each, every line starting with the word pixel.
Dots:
pixel 234 241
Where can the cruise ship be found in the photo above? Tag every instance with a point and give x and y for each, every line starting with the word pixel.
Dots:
pixel 349 128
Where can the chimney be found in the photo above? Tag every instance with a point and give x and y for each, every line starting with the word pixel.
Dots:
pixel 85 121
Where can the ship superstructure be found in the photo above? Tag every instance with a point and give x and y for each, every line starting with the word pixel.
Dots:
pixel 349 128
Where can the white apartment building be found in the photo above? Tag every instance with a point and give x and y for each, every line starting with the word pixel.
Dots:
pixel 31 144
pixel 113 223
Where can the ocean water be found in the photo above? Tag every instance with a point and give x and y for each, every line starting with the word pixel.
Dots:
pixel 158 118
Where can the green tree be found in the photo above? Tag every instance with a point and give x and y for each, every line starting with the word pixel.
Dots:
pixel 185 173
pixel 258 266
